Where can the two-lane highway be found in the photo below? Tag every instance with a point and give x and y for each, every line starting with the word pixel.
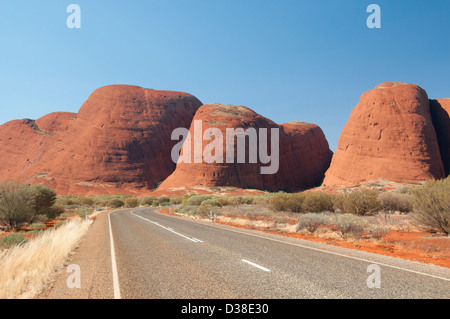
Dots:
pixel 166 257
pixel 160 256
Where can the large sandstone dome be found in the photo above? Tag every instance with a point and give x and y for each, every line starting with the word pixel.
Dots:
pixel 304 154
pixel 390 134
pixel 119 142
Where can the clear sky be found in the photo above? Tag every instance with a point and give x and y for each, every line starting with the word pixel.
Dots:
pixel 285 59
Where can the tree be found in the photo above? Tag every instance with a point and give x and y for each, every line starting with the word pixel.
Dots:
pixel 43 198
pixel 16 206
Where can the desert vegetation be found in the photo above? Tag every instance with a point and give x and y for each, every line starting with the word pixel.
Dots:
pixel 33 219
pixel 353 214
pixel 27 265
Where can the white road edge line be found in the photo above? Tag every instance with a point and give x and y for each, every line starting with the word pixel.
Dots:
pixel 337 254
pixel 115 274
pixel 330 252
pixel 195 240
pixel 256 265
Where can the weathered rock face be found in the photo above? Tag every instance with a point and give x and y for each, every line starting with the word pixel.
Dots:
pixel 303 155
pixel 55 122
pixel 119 142
pixel 440 111
pixel 389 134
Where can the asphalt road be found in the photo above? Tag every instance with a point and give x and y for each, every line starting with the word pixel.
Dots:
pixel 158 256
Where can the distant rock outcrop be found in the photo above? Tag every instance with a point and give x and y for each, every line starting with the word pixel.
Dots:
pixel 304 154
pixel 390 135
pixel 119 142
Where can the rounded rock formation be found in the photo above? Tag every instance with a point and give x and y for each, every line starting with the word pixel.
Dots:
pixel 118 143
pixel 390 135
pixel 210 157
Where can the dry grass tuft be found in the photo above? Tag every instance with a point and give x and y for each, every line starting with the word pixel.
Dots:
pixel 25 269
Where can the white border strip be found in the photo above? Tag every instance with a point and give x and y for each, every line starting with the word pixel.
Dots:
pixel 195 240
pixel 115 274
pixel 334 253
pixel 256 265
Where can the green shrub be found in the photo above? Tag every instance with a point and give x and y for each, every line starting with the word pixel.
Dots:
pixel 349 225
pixel 86 201
pixel 312 221
pixel 55 211
pixel 377 231
pixel 225 201
pixel 316 202
pixel 203 211
pixel 362 202
pixel 339 201
pixel 246 199
pixel 396 202
pixel 431 205
pixel 277 202
pixel 37 226
pixel 148 200
pixel 211 203
pixel 59 223
pixel 16 207
pixel 197 200
pixel 131 202
pixel 163 199
pixel 294 202
pixel 116 203
pixel 35 233
pixel 176 200
pixel 13 240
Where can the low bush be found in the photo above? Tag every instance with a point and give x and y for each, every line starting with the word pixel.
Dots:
pixel 287 202
pixel 349 225
pixel 295 202
pixel 312 221
pixel 59 223
pixel 339 201
pixel 247 199
pixel 35 233
pixel 395 202
pixel 86 201
pixel 13 239
pixel 176 200
pixel 147 200
pixel 197 200
pixel 163 199
pixel 225 201
pixel 377 231
pixel 211 203
pixel 131 202
pixel 316 202
pixel 37 226
pixel 116 203
pixel 431 205
pixel 55 211
pixel 362 202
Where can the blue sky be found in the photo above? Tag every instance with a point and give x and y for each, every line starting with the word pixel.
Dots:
pixel 285 59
